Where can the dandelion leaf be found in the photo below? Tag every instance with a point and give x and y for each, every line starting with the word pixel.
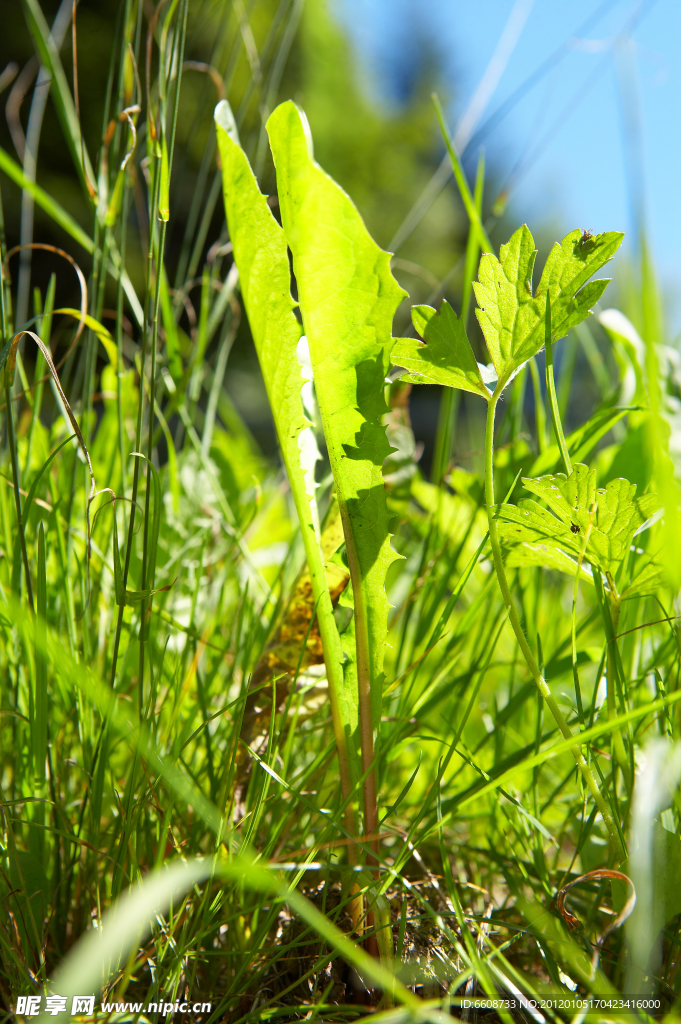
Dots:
pixel 445 358
pixel 261 253
pixel 259 247
pixel 348 298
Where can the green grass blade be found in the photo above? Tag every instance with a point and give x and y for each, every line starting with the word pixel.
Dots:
pixel 593 732
pixel 99 953
pixel 102 951
pixel 464 189
pixel 36 480
pixel 40 698
pixel 49 58
pixel 45 201
pixel 580 442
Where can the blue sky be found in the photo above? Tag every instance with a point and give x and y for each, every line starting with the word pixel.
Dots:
pixel 566 134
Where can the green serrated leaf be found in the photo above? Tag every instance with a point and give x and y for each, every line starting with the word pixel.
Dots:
pixel 527 522
pixel 259 246
pixel 548 555
pixel 261 254
pixel 445 358
pixel 348 297
pixel 608 517
pixel 571 498
pixel 512 317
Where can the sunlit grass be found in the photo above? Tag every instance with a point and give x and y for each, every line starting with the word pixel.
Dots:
pixel 146 640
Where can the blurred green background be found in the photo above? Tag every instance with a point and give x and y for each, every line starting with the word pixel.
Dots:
pixel 364 73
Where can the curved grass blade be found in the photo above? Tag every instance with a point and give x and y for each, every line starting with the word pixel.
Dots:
pixel 99 953
pixel 34 486
pixel 66 110
pixel 8 358
pixel 99 329
pixel 102 951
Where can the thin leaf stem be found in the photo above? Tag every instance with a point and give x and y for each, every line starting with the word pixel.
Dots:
pixel 610 613
pixel 539 410
pixel 138 438
pixel 516 625
pixel 138 428
pixel 551 392
pixel 147 498
pixel 366 726
pixel 473 243
pixel 119 334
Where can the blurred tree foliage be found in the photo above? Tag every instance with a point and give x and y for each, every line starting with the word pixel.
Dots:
pixel 382 156
pixel 264 51
pixel 256 53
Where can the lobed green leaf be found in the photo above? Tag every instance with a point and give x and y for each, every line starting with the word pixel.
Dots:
pixel 547 555
pixel 445 358
pixel 512 316
pixel 606 518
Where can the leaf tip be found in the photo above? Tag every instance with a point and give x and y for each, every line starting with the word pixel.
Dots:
pixel 224 118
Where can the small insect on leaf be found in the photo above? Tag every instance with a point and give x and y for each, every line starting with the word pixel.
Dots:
pixel 513 317
pixel 587 235
pixel 574 528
